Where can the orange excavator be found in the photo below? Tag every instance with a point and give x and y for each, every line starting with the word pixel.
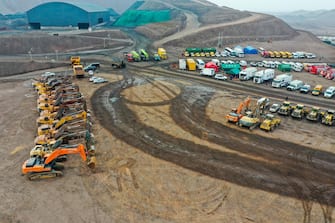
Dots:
pixel 45 165
pixel 235 115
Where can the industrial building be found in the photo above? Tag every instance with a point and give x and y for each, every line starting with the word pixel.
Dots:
pixel 61 14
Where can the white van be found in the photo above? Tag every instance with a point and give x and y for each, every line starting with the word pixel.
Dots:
pixel 329 92
pixel 200 64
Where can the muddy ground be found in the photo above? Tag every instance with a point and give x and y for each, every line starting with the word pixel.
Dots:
pixel 166 154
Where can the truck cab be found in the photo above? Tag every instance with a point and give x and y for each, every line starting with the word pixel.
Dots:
pixel 295 85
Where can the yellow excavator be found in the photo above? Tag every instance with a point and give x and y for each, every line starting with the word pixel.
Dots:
pixel 45 129
pixel 45 165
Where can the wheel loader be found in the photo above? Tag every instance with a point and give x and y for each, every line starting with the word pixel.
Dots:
pixel 285 109
pixel 270 122
pixel 314 114
pixel 298 111
pixel 329 118
pixel 45 165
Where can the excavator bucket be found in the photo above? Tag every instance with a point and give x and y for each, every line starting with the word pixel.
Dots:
pixel 91 162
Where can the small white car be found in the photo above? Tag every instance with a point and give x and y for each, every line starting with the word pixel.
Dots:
pixel 92 78
pixel 274 108
pixel 220 77
pixel 99 80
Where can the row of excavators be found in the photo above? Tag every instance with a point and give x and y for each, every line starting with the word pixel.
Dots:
pixel 63 128
pixel 253 113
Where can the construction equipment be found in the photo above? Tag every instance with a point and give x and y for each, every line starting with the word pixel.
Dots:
pixel 298 111
pixel 45 129
pixel 45 165
pixel 162 53
pixel 144 55
pixel 65 137
pixel 78 71
pixel 314 114
pixel 285 108
pixel 270 122
pixel 235 115
pixel 75 60
pixel 329 118
pixel 252 119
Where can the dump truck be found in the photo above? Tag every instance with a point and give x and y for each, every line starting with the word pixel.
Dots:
pixel 314 114
pixel 75 60
pixel 144 55
pixel 209 52
pixel 270 122
pixel 162 53
pixel 78 71
pixel 298 111
pixel 329 118
pixel 285 108
pixel 136 57
pixel 191 65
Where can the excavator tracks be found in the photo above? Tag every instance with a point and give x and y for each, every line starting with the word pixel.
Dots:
pixel 44 175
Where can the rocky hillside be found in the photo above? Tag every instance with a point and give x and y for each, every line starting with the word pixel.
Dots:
pixel 201 13
pixel 320 22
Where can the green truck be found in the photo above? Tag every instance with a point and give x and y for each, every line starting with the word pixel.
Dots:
pixel 284 67
pixel 136 56
pixel 144 55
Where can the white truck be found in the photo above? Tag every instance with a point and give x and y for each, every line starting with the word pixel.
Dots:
pixel 247 73
pixel 264 76
pixel 295 85
pixel 182 64
pixel 282 80
pixel 210 72
pixel 298 67
pixel 200 64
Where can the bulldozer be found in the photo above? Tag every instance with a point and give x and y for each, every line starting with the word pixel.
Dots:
pixel 285 109
pixel 298 111
pixel 45 165
pixel 235 115
pixel 270 122
pixel 329 118
pixel 314 114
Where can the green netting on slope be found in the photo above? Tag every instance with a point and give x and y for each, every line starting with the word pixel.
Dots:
pixel 133 18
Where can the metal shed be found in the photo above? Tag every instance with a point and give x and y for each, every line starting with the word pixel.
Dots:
pixel 61 14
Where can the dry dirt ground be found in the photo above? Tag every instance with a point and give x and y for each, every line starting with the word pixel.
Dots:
pixel 165 154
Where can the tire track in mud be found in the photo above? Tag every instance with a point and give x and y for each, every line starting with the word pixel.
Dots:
pixel 268 176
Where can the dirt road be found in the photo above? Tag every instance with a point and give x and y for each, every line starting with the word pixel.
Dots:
pixel 192 27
